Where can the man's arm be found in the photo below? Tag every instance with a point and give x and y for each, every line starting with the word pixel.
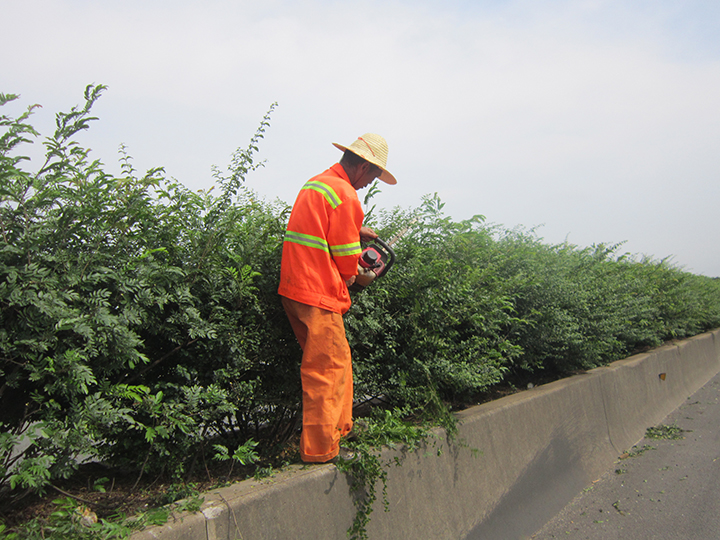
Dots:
pixel 344 225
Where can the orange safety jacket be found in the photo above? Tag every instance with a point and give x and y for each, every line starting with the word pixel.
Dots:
pixel 322 242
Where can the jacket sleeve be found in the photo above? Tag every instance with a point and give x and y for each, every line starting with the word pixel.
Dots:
pixel 344 236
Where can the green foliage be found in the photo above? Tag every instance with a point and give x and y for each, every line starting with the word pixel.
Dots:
pixel 637 451
pixel 587 307
pixel 436 327
pixel 662 431
pixel 134 313
pixel 385 428
pixel 245 454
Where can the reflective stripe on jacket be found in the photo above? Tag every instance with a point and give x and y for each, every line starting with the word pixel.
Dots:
pixel 322 242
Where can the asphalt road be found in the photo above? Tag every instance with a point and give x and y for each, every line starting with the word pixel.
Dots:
pixel 663 488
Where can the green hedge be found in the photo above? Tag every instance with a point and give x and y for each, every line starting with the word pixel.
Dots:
pixel 140 325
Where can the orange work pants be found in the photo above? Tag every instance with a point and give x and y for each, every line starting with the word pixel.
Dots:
pixel 326 375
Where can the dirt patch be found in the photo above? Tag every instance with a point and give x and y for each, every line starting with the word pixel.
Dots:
pixel 112 492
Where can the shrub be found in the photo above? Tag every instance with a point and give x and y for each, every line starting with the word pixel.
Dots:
pixel 435 328
pixel 136 319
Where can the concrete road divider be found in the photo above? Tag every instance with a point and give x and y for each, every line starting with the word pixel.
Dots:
pixel 522 459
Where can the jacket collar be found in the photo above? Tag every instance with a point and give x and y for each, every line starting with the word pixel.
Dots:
pixel 339 171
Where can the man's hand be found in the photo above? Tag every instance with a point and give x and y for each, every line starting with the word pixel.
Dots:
pixel 350 281
pixel 367 234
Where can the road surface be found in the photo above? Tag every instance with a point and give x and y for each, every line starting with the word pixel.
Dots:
pixel 663 488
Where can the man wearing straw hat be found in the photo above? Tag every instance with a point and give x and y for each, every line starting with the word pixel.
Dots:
pixel 320 258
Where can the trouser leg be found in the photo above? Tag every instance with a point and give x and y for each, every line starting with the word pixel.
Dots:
pixel 326 374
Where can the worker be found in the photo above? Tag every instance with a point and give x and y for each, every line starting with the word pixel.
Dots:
pixel 320 258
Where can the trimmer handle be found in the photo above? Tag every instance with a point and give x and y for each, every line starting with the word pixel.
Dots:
pixel 391 256
pixel 377 259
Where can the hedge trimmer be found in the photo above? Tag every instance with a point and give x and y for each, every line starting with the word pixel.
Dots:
pixel 375 260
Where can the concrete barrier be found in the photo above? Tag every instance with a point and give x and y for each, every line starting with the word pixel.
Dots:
pixel 535 451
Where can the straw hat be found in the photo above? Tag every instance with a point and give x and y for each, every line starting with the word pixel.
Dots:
pixel 372 148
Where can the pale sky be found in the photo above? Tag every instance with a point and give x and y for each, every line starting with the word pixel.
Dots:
pixel 596 121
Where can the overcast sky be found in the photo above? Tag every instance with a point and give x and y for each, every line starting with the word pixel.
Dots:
pixel 597 121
